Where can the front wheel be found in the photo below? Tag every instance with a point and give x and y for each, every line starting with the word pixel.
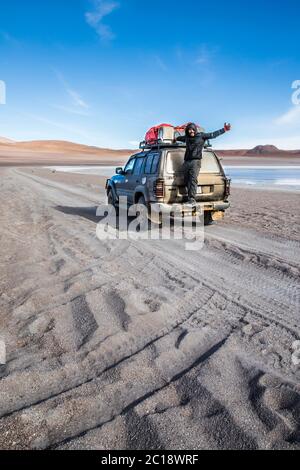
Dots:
pixel 111 202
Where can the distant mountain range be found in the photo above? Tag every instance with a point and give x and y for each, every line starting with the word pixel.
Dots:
pixel 55 152
pixel 50 152
pixel 56 146
pixel 260 150
pixel 3 140
pixel 71 147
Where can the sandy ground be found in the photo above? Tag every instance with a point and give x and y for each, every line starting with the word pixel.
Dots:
pixel 144 345
pixel 29 158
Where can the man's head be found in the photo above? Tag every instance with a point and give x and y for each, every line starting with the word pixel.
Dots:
pixel 191 130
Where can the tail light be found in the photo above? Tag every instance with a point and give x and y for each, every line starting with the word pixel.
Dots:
pixel 159 188
pixel 227 188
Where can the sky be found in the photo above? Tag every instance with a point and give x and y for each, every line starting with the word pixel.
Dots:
pixel 101 72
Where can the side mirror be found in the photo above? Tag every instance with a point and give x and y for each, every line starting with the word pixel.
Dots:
pixel 119 171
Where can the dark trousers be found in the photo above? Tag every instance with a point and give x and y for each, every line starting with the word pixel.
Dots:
pixel 191 172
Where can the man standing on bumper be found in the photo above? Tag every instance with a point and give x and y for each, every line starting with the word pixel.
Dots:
pixel 195 142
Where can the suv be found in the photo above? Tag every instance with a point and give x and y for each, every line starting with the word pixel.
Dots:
pixel 156 176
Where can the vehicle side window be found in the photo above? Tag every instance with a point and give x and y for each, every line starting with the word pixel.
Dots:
pixel 152 163
pixel 149 162
pixel 155 163
pixel 129 167
pixel 138 166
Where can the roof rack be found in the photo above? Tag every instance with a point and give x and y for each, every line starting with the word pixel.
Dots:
pixel 158 144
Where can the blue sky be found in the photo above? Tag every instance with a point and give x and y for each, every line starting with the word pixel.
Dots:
pixel 101 72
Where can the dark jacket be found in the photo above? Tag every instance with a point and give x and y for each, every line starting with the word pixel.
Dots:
pixel 195 145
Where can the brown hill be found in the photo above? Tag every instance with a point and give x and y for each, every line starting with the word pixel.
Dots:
pixel 57 146
pixel 264 150
pixel 260 151
pixel 4 140
pixel 55 152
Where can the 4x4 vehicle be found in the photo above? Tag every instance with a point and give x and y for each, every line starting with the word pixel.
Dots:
pixel 155 176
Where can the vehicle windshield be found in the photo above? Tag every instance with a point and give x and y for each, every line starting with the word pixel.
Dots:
pixel 175 160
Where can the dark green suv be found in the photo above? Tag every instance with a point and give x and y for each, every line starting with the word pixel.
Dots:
pixel 156 176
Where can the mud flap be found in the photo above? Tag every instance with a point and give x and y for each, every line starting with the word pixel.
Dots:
pixel 218 215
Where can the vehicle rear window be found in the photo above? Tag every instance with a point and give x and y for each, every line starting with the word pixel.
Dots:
pixel 155 163
pixel 175 161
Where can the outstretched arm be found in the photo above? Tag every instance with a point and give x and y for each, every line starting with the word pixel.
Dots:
pixel 214 135
pixel 181 138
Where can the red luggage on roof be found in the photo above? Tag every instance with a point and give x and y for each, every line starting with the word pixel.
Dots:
pixel 160 132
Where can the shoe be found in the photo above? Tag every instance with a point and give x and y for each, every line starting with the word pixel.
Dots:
pixel 191 202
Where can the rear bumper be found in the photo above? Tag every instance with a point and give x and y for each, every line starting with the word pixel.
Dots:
pixel 203 206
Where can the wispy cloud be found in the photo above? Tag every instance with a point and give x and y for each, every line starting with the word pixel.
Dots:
pixel 78 103
pixel 160 63
pixel 102 8
pixel 70 110
pixel 58 125
pixel 8 38
pixel 205 54
pixel 179 53
pixel 76 98
pixel 291 117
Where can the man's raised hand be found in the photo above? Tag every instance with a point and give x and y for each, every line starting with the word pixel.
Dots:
pixel 227 127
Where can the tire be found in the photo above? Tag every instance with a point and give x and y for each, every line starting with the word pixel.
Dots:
pixel 111 201
pixel 145 223
pixel 208 220
pixel 153 218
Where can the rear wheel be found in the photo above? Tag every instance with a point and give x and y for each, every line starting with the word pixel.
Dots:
pixel 153 216
pixel 208 220
pixel 143 214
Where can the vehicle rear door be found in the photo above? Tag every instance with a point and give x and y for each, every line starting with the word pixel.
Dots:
pixel 211 181
pixel 211 186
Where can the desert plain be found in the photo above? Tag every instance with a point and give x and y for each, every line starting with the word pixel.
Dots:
pixel 122 344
